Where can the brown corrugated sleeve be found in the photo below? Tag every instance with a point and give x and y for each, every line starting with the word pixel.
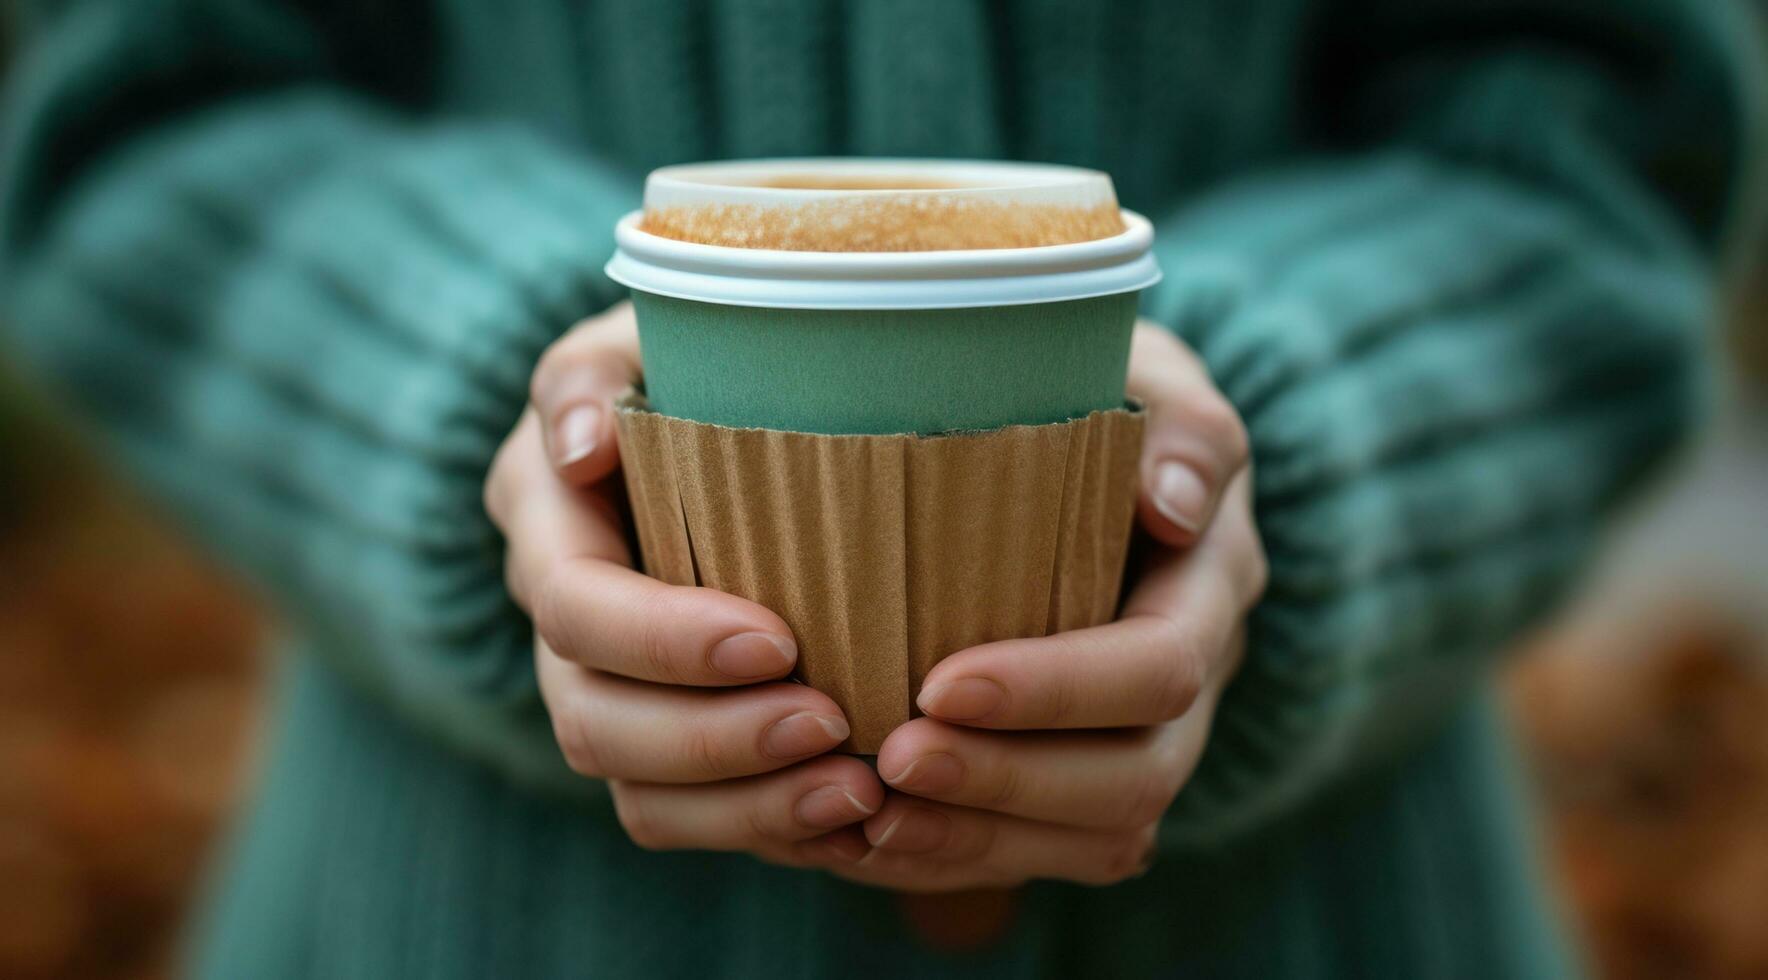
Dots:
pixel 887 553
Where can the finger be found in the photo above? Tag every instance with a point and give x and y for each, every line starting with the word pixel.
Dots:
pixel 1194 443
pixel 844 847
pixel 1227 563
pixel 544 521
pixel 566 565
pixel 1172 644
pixel 793 804
pixel 574 388
pixel 1140 670
pixel 1102 780
pixel 845 853
pixel 612 618
pixel 925 847
pixel 609 727
pixel 910 834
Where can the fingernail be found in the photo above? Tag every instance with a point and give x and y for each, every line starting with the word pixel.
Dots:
pixel 936 773
pixel 963 700
pixel 830 807
pixel 803 734
pixel 889 832
pixel 857 805
pixel 1180 494
pixel 578 430
pixel 916 831
pixel 752 655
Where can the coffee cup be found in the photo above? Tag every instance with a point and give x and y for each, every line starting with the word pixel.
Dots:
pixel 855 296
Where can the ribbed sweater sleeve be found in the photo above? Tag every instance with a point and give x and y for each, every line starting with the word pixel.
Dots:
pixel 1454 351
pixel 306 323
pixel 304 316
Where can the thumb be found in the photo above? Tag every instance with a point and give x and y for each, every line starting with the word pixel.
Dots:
pixel 1195 442
pixel 574 388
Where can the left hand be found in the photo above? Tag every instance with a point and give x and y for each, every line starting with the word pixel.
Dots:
pixel 1054 757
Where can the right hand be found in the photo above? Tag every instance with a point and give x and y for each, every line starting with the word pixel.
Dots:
pixel 674 695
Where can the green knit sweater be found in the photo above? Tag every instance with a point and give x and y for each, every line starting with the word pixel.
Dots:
pixel 295 261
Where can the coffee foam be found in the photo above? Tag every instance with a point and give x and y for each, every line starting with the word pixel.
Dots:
pixel 880 205
pixel 884 224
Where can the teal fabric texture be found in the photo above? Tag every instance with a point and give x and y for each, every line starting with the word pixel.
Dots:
pixel 293 262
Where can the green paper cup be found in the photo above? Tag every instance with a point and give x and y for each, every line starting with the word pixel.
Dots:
pixel 951 335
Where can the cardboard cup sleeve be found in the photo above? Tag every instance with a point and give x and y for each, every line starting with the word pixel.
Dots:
pixel 886 553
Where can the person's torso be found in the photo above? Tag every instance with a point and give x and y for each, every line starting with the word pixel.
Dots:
pixel 1164 96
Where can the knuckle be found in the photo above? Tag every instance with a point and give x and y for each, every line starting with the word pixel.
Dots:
pixel 1210 417
pixel 496 493
pixel 572 730
pixel 638 821
pixel 1248 567
pixel 701 754
pixel 1236 440
pixel 1129 855
pixel 549 605
pixel 512 581
pixel 760 828
pixel 1176 689
pixel 1007 789
pixel 1258 573
pixel 1149 799
pixel 1225 430
pixel 657 654
pixel 491 494
pixel 546 369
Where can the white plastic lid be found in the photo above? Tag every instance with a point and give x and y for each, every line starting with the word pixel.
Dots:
pixel 951 279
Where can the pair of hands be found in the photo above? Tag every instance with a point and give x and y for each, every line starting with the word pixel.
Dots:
pixel 1051 757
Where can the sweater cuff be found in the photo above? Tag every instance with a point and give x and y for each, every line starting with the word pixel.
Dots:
pixel 1446 379
pixel 436 272
pixel 310 329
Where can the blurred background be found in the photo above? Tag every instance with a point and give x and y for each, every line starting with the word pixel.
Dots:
pixel 131 687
